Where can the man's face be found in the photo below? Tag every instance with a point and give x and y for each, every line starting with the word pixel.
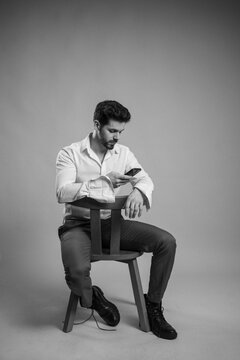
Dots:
pixel 109 134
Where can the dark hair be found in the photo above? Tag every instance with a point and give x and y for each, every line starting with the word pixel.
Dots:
pixel 111 110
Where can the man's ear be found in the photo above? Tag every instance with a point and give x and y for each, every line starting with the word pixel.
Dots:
pixel 97 124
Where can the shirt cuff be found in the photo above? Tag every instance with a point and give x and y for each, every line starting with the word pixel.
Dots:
pixel 147 196
pixel 101 189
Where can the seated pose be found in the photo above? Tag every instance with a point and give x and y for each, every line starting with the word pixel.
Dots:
pixel 96 167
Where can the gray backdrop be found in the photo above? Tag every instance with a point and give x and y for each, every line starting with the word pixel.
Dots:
pixel 175 65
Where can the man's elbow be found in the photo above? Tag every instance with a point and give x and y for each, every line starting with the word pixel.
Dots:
pixel 60 196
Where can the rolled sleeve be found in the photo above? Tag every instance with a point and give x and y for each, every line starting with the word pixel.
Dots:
pixel 141 180
pixel 68 190
pixel 101 189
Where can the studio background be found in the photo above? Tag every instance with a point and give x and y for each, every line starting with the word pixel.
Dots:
pixel 175 65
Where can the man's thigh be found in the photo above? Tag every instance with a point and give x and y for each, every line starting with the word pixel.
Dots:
pixel 76 248
pixel 136 235
pixel 139 236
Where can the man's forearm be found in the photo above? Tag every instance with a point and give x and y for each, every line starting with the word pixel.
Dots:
pixel 145 186
pixel 100 189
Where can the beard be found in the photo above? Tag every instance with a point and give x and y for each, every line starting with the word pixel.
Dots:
pixel 109 144
pixel 103 139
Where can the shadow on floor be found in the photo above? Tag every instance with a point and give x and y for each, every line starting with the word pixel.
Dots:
pixel 45 306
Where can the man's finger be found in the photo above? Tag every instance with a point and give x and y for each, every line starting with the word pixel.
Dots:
pixel 123 182
pixel 132 210
pixel 125 177
pixel 127 204
pixel 135 212
pixel 127 208
pixel 140 210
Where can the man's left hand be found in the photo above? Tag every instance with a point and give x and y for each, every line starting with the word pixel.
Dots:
pixel 134 204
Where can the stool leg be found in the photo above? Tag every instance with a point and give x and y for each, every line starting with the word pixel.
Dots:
pixel 71 312
pixel 138 295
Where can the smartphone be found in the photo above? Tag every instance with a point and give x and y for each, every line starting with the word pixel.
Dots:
pixel 133 171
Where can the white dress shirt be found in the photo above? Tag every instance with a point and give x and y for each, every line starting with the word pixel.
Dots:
pixel 80 173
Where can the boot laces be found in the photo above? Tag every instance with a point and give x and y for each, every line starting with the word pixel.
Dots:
pixel 158 312
pixel 92 315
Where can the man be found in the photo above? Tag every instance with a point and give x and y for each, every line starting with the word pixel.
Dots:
pixel 96 167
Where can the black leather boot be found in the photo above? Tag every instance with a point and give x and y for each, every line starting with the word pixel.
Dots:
pixel 158 324
pixel 107 310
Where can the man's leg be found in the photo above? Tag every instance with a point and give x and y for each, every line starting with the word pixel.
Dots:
pixel 148 238
pixel 76 257
pixel 139 236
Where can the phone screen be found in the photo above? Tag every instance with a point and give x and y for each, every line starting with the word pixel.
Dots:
pixel 133 171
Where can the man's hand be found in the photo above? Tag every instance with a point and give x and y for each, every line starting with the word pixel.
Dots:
pixel 118 179
pixel 134 204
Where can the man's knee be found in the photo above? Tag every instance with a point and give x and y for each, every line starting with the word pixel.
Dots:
pixel 167 242
pixel 77 274
pixel 171 241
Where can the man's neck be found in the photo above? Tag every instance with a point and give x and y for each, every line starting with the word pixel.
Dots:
pixel 97 147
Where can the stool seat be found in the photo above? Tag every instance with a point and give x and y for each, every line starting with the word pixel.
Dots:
pixel 123 255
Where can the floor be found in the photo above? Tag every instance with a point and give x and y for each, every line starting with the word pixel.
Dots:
pixel 203 308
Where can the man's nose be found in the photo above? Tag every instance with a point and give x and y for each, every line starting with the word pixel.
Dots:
pixel 116 136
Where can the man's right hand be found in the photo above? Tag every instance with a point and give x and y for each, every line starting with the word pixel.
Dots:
pixel 118 179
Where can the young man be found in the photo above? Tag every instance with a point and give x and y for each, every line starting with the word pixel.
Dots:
pixel 96 167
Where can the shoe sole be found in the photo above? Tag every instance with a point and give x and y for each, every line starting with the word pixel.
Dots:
pixel 161 334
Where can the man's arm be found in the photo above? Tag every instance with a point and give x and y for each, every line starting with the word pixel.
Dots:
pixel 142 189
pixel 68 190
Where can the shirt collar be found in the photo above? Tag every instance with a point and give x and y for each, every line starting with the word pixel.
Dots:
pixel 86 146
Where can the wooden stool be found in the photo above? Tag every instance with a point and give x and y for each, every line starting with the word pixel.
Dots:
pixel 114 253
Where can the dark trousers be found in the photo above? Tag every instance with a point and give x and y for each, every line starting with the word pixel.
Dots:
pixel 135 235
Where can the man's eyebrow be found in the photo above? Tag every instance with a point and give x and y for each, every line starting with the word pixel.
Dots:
pixel 115 130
